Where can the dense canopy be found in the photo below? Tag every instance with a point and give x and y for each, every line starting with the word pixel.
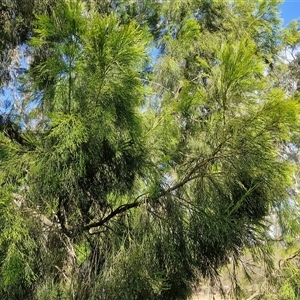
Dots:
pixel 144 145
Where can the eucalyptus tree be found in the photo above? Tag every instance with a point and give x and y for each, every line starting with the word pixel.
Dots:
pixel 129 176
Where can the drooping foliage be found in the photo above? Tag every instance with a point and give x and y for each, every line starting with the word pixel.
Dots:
pixel 144 147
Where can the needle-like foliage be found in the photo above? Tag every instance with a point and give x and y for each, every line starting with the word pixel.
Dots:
pixel 148 150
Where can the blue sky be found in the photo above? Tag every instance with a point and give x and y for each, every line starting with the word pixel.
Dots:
pixel 290 9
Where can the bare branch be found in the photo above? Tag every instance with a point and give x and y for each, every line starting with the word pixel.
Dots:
pixel 115 212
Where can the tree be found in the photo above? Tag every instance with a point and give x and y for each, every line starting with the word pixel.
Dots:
pixel 130 178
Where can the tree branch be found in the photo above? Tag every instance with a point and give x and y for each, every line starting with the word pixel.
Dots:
pixel 115 212
pixel 199 165
pixel 125 207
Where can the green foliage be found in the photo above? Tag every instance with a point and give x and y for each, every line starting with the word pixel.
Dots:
pixel 126 178
pixel 291 34
pixel 17 249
